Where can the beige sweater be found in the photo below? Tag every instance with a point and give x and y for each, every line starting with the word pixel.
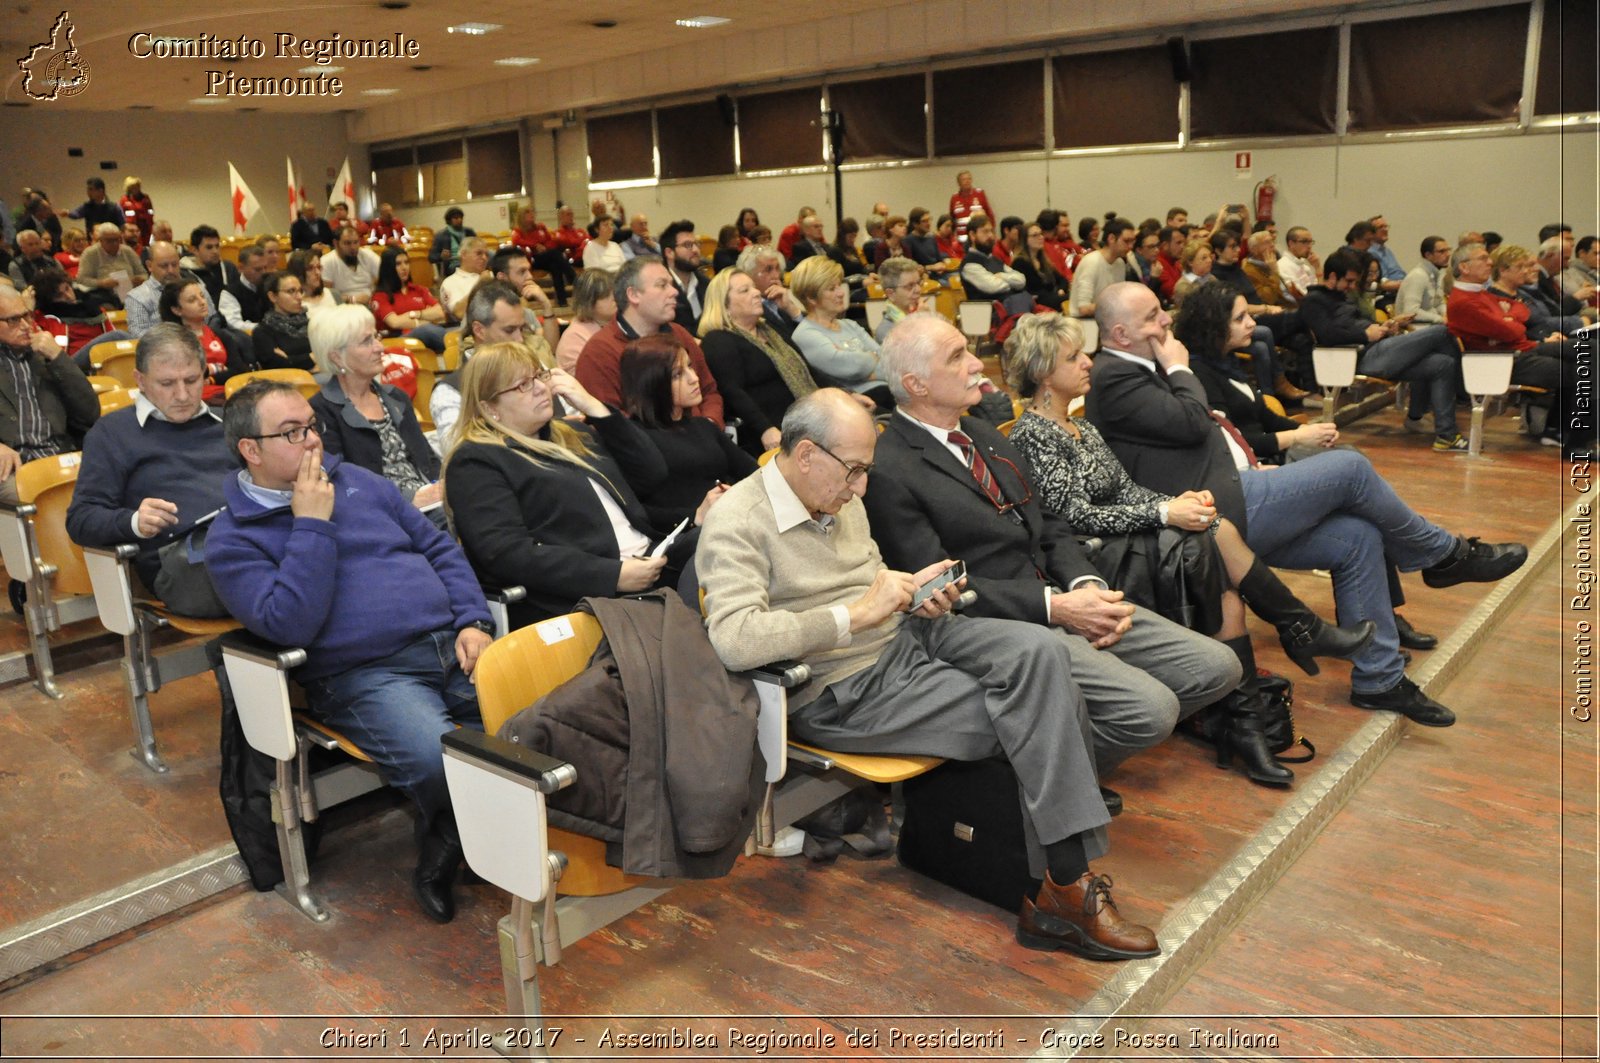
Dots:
pixel 770 595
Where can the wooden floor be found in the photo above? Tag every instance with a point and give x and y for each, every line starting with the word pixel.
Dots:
pixel 1437 895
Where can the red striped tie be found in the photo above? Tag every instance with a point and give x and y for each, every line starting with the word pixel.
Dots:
pixel 979 467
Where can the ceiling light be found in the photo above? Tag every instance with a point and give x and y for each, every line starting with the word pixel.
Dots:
pixel 320 70
pixel 379 92
pixel 474 29
pixel 516 60
pixel 700 22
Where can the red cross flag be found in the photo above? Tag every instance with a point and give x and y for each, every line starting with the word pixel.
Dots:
pixel 244 201
pixel 344 189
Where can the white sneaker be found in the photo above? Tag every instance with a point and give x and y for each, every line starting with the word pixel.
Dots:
pixel 1549 441
pixel 1418 425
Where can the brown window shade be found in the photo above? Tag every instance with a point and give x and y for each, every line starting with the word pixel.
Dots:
pixel 980 109
pixel 396 175
pixel 883 117
pixel 494 164
pixel 696 140
pixel 439 151
pixel 392 158
pixel 1567 73
pixel 778 130
pixel 1127 97
pixel 1267 84
pixel 621 147
pixel 1465 66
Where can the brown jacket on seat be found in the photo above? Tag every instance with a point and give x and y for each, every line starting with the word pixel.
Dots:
pixel 664 740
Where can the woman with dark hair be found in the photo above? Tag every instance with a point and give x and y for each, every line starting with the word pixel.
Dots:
pixel 404 308
pixel 729 244
pixel 1042 280
pixel 845 243
pixel 893 242
pixel 944 232
pixel 546 503
pixel 314 295
pixel 747 224
pixel 1089 233
pixel 280 339
pixel 1169 553
pixel 184 302
pixel 659 391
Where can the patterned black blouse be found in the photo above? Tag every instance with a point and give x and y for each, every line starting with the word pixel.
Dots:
pixel 1082 480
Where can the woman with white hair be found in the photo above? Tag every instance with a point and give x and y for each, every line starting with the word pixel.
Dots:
pixel 370 423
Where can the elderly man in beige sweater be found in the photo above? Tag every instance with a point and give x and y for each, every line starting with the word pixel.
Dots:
pixel 790 570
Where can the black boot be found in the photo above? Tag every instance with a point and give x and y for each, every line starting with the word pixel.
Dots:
pixel 1244 733
pixel 1304 634
pixel 437 862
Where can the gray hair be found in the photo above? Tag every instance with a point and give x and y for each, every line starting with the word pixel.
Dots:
pixel 1461 254
pixel 815 417
pixel 106 227
pixel 894 271
pixel 1550 247
pixel 472 243
pixel 1032 349
pixel 169 337
pixel 909 350
pixel 332 330
pixel 250 253
pixel 750 258
pixel 487 295
pixel 628 277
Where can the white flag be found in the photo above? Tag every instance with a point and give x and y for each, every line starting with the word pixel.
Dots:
pixel 344 190
pixel 244 201
pixel 294 193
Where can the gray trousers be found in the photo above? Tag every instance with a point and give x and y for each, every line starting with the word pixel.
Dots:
pixel 1138 689
pixel 969 688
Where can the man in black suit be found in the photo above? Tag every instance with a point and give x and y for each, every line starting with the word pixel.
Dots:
pixel 1330 511
pixel 945 485
pixel 680 250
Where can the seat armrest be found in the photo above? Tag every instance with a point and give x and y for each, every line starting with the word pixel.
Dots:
pixel 508 595
pixel 784 673
pixel 547 774
pixel 20 509
pixel 255 648
pixel 500 600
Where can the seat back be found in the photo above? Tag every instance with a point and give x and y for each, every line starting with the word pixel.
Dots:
pixel 302 380
pixel 103 384
pixel 530 662
pixel 1335 367
pixel 875 314
pixel 977 317
pixel 115 359
pixel 48 484
pixel 451 359
pixel 1089 328
pixel 1486 373
pixel 1006 427
pixel 114 400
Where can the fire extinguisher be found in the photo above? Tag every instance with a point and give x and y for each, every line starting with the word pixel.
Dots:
pixel 1265 191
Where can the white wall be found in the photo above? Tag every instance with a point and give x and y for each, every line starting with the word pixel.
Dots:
pixel 182 159
pixel 1510 183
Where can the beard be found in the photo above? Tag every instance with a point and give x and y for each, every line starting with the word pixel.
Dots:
pixel 353 259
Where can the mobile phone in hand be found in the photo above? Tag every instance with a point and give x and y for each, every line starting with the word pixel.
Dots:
pixel 950 575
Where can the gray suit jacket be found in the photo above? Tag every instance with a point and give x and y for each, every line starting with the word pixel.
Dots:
pixel 67 398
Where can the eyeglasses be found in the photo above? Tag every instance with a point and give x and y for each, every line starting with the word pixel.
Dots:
pixel 13 319
pixel 1027 488
pixel 293 436
pixel 525 385
pixel 852 472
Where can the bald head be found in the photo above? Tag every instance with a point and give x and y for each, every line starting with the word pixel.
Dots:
pixel 164 262
pixel 914 351
pixel 828 442
pixel 822 417
pixel 1122 304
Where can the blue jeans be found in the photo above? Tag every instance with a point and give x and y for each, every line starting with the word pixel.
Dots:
pixel 396 708
pixel 430 335
pixel 1429 359
pixel 1334 511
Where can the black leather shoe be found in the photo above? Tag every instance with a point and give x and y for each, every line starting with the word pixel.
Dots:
pixel 1407 699
pixel 436 870
pixel 1112 799
pixel 1411 638
pixel 1306 640
pixel 1476 562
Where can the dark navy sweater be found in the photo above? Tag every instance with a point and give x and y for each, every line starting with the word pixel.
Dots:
pixel 123 464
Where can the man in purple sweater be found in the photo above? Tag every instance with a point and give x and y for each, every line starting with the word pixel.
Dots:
pixel 314 553
pixel 152 473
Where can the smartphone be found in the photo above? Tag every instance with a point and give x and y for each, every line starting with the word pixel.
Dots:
pixel 944 579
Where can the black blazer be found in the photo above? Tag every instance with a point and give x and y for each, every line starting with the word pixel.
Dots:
pixel 698 455
pixel 345 431
pixel 1160 428
pixel 686 315
pixel 1255 420
pixel 541 526
pixel 925 505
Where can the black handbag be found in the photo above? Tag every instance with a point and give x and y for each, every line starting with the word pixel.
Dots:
pixel 963 827
pixel 1279 727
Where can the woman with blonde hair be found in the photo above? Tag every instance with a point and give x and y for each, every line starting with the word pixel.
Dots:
pixel 137 208
pixel 594 306
pixel 1197 259
pixel 546 503
pixel 840 352
pixel 758 373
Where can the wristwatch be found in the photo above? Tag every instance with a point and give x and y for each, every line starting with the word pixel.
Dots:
pixel 483 626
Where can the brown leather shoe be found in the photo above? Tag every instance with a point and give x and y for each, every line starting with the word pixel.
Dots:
pixel 1083 919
